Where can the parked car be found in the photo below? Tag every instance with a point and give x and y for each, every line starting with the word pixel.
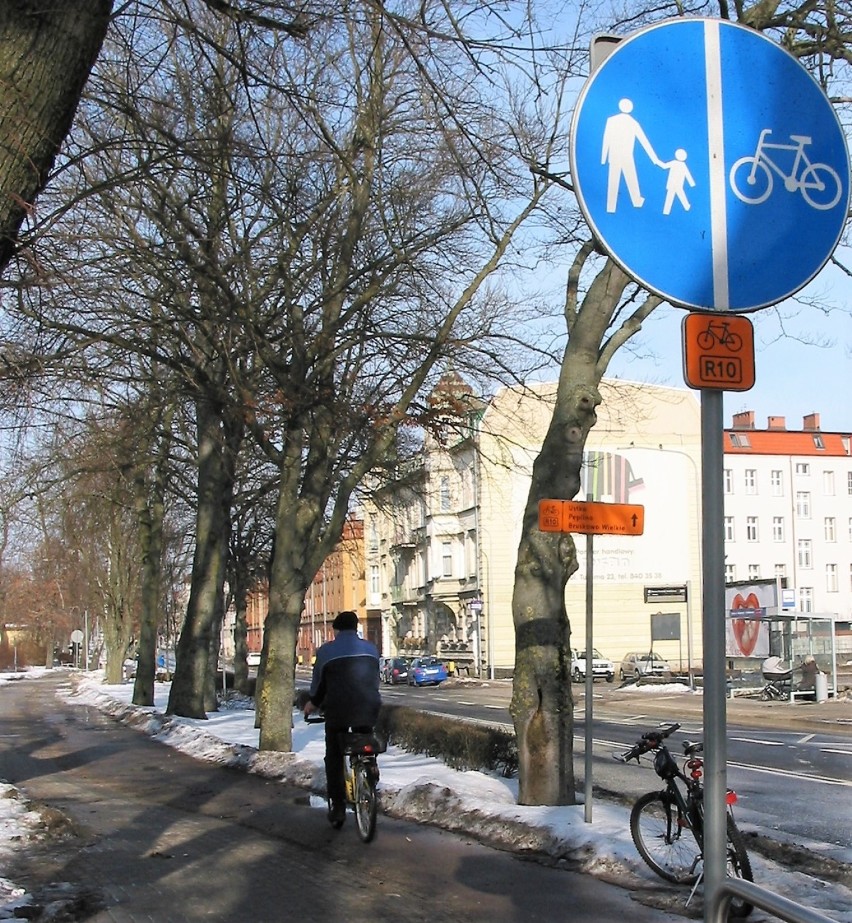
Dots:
pixel 425 671
pixel 602 668
pixel 638 664
pixel 396 671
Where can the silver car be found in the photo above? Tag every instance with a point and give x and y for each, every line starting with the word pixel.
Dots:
pixel 637 664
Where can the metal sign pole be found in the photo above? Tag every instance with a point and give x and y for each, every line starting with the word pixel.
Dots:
pixel 715 704
pixel 590 678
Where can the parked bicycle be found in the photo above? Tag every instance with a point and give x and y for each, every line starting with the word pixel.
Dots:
pixel 667 826
pixel 362 776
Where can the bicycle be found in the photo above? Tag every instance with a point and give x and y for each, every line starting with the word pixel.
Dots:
pixel 659 820
pixel 818 182
pixel 719 332
pixel 361 777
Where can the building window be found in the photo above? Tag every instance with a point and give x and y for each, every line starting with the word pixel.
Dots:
pixel 828 483
pixel 740 441
pixel 445 494
pixel 447 559
pixel 729 528
pixel 777 528
pixel 830 529
pixel 780 571
pixel 818 441
pixel 849 483
pixel 850 528
pixel 776 479
pixel 754 572
pixel 470 552
pixel 751 528
pixel 803 468
pixel 806 599
pixel 374 534
pixel 750 481
pixel 805 553
pixel 803 504
pixel 374 579
pixel 729 482
pixel 831 578
pixel 730 573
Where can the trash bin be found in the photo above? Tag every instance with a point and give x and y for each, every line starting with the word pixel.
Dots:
pixel 821 685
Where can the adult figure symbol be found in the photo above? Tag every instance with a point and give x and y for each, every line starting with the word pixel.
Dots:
pixel 621 133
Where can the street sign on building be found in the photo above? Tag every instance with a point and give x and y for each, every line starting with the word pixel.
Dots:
pixel 710 165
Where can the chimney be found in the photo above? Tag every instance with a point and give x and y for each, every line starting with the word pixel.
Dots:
pixel 744 420
pixel 776 423
pixel 811 423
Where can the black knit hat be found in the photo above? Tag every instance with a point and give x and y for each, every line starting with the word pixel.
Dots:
pixel 346 621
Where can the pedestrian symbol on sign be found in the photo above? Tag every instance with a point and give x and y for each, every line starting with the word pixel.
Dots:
pixel 618 154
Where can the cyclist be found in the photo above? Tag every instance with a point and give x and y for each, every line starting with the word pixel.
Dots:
pixel 345 686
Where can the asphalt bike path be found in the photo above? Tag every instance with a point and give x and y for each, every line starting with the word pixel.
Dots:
pixel 151 834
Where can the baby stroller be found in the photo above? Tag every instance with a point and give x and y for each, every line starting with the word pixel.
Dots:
pixel 779 679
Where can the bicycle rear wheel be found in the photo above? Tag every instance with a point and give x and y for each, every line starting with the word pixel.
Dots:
pixel 739 866
pixel 365 803
pixel 666 843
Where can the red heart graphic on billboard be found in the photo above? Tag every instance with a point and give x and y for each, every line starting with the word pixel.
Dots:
pixel 746 630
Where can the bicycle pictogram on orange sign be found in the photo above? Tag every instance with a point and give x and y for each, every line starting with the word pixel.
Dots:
pixel 718 351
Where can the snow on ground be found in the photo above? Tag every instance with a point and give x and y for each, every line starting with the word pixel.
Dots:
pixel 413 786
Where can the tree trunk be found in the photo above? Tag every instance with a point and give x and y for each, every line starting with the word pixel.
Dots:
pixel 291 571
pixel 189 691
pixel 46 54
pixel 542 699
pixel 150 512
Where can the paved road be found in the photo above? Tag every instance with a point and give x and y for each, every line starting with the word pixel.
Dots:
pixel 166 838
pixel 779 754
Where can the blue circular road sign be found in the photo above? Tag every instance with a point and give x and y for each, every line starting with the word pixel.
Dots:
pixel 710 165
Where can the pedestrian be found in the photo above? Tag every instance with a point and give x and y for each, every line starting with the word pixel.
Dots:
pixel 809 670
pixel 345 687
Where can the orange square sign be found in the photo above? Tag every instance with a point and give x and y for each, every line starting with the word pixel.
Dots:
pixel 718 351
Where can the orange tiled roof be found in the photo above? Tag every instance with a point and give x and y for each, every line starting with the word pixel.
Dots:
pixel 785 442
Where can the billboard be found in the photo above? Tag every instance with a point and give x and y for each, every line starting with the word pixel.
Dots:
pixel 746 625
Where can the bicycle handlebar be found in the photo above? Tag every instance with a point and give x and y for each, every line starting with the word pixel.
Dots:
pixel 650 740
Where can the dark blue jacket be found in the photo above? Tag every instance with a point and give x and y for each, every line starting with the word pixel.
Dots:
pixel 345 683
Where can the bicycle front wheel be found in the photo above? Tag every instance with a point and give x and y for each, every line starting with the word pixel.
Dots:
pixel 739 866
pixel 664 840
pixel 751 180
pixel 365 804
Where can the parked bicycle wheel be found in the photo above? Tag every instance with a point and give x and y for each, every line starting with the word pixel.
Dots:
pixel 664 842
pixel 739 866
pixel 365 804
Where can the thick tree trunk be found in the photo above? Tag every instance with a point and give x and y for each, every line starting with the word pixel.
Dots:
pixel 542 701
pixel 290 576
pixel 150 513
pixel 190 686
pixel 46 54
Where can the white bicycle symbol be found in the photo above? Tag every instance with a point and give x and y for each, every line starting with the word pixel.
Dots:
pixel 751 177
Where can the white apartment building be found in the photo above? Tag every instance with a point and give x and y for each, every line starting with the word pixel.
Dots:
pixel 788 511
pixel 441 541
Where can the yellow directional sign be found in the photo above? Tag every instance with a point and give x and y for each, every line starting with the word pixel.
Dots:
pixel 588 517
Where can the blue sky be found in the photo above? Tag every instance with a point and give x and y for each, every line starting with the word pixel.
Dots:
pixel 803 359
